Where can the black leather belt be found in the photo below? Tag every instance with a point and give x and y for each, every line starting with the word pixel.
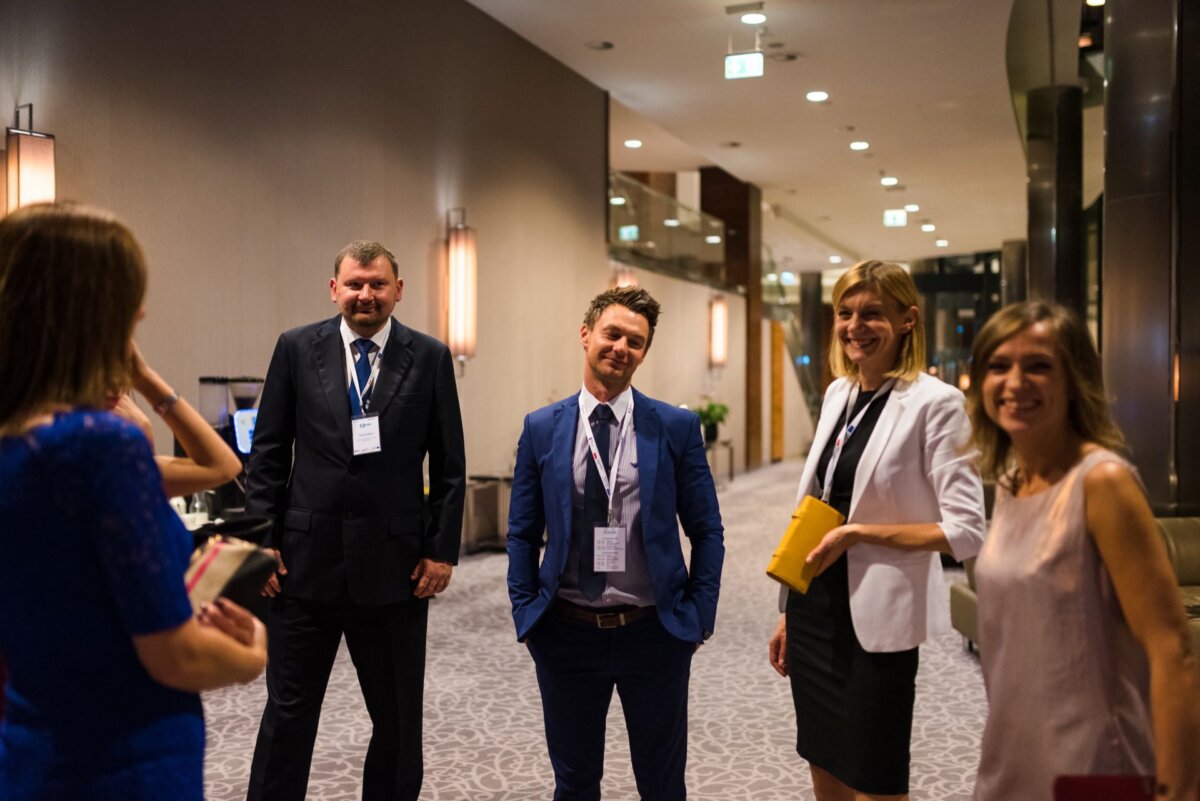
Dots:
pixel 612 618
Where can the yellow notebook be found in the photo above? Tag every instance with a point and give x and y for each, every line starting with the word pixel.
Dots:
pixel 811 521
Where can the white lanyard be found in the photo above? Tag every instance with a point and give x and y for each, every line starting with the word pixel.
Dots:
pixel 609 481
pixel 847 430
pixel 360 391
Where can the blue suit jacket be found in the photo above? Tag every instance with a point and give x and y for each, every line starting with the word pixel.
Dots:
pixel 673 479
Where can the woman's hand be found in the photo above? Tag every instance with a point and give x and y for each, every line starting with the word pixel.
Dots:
pixel 125 407
pixel 231 619
pixel 832 546
pixel 777 648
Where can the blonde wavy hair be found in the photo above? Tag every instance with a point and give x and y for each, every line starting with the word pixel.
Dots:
pixel 892 283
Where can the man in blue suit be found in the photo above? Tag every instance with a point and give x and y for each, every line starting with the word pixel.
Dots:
pixel 605 473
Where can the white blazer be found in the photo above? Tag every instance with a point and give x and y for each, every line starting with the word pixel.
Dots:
pixel 917 468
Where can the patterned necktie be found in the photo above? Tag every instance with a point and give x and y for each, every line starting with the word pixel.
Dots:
pixel 595 503
pixel 362 367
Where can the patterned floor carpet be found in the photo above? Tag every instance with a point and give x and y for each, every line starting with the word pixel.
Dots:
pixel 483 726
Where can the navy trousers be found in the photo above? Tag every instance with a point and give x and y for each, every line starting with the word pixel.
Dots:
pixel 578 665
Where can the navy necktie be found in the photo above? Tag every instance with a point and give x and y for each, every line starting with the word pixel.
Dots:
pixel 595 503
pixel 362 367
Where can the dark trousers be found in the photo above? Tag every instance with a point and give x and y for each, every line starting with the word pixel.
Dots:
pixel 387 646
pixel 578 665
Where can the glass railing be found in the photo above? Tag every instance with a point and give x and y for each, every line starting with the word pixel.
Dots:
pixel 651 230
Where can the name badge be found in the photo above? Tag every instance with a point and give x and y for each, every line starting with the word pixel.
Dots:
pixel 364 434
pixel 609 549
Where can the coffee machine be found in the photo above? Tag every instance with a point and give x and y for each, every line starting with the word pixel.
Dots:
pixel 230 405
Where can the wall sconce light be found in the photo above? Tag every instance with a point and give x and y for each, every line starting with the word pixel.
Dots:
pixel 460 260
pixel 30 163
pixel 718 331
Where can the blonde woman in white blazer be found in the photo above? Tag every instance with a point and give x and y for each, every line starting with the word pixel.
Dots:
pixel 910 489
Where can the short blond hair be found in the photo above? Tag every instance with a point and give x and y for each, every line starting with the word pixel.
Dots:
pixel 891 282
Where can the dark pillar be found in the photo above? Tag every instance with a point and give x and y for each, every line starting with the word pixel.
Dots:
pixel 1055 154
pixel 739 204
pixel 1014 272
pixel 1151 242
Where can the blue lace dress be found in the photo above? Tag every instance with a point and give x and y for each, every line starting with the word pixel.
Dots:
pixel 90 555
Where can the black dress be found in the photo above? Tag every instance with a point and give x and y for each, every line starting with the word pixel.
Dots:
pixel 853 708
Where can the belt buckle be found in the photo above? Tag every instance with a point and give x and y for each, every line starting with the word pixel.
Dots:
pixel 610 620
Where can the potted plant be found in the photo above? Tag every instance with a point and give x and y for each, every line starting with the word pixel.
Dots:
pixel 711 414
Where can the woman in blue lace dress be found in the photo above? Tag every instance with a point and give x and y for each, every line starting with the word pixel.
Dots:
pixel 105 658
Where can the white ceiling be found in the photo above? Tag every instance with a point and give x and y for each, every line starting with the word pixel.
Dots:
pixel 923 81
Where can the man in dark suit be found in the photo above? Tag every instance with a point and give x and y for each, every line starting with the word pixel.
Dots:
pixel 350 409
pixel 604 474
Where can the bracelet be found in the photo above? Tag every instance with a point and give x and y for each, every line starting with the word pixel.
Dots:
pixel 164 406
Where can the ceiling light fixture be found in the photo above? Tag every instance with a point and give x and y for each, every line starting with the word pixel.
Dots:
pixel 671 222
pixel 1095 3
pixel 835 259
pixel 928 228
pixel 633 144
pixel 912 208
pixel 942 243
pixel 617 200
pixel 889 180
pixel 754 18
pixel 860 145
pixel 712 239
pixel 817 96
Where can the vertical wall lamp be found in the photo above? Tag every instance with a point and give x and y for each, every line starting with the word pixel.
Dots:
pixel 460 260
pixel 30 163
pixel 718 331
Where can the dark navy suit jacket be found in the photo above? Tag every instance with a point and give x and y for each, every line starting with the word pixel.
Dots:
pixel 358 522
pixel 673 480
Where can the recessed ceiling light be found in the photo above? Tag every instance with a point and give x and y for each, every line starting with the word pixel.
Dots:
pixel 599 44
pixel 912 208
pixel 671 222
pixel 712 239
pixel 633 144
pixel 1095 3
pixel 860 145
pixel 754 18
pixel 942 243
pixel 889 180
pixel 928 227
pixel 835 259
pixel 617 200
pixel 817 96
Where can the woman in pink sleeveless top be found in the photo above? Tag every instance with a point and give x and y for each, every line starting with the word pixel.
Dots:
pixel 1085 650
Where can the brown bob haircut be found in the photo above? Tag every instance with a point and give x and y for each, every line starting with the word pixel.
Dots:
pixel 1087 405
pixel 893 284
pixel 634 298
pixel 72 281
